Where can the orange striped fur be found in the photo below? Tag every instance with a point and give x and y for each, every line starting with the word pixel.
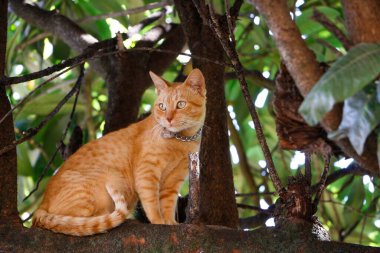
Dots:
pixel 99 185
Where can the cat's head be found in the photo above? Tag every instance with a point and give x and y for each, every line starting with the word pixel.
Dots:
pixel 180 106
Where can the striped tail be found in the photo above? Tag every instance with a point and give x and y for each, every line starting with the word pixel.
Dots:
pixel 82 226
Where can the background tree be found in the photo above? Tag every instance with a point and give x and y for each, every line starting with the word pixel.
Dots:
pixel 308 36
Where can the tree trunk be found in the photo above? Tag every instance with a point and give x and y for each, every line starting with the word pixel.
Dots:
pixel 217 201
pixel 8 164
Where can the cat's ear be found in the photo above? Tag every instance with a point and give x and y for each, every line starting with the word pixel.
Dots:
pixel 160 83
pixel 196 81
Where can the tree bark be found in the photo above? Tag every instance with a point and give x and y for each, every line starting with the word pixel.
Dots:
pixel 217 201
pixel 8 163
pixel 134 237
pixel 362 20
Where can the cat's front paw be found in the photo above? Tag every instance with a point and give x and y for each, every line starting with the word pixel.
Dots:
pixel 171 222
pixel 158 221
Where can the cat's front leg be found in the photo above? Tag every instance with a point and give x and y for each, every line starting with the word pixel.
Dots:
pixel 168 198
pixel 147 187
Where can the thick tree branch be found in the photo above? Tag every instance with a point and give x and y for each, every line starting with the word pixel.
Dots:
pixel 54 23
pixel 8 164
pixel 299 59
pixel 362 20
pixel 135 237
pixel 59 26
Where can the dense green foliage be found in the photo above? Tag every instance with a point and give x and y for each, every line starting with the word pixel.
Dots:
pixel 349 208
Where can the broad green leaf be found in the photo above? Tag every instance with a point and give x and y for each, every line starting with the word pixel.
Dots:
pixel 361 114
pixel 24 166
pixel 345 78
pixel 308 26
pixel 45 103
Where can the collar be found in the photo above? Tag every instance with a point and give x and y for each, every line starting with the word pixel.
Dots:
pixel 168 135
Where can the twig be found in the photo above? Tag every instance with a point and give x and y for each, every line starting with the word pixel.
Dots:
pixel 329 46
pixel 89 52
pixel 173 52
pixel 322 182
pixel 94 51
pixel 35 90
pixel 36 38
pixel 33 131
pixel 232 54
pixel 253 194
pixel 126 12
pixel 254 221
pixel 350 208
pixel 229 23
pixel 322 19
pixel 76 90
pixel 362 230
pixel 352 169
pixel 308 168
pixel 244 206
pixel 257 78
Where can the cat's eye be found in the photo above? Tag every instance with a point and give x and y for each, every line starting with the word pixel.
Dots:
pixel 181 104
pixel 162 107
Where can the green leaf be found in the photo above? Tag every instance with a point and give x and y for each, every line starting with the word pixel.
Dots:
pixel 45 103
pixel 361 114
pixel 345 78
pixel 308 26
pixel 24 167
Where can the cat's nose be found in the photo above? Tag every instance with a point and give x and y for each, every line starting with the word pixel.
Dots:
pixel 169 119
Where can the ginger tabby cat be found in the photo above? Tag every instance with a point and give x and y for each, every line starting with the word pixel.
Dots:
pixel 99 185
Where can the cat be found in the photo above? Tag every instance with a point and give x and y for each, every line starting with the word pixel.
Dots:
pixel 98 186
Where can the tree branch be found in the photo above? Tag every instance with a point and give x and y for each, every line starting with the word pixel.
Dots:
pixel 143 8
pixel 323 20
pixel 134 237
pixel 8 162
pixel 54 23
pixel 256 78
pixel 362 20
pixel 291 46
